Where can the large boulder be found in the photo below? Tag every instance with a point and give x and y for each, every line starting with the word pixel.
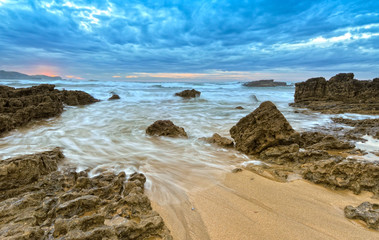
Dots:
pixel 165 128
pixel 366 211
pixel 188 93
pixel 263 128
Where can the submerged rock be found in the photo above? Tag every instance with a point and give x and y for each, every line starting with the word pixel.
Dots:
pixel 19 106
pixel 52 204
pixel 240 107
pixel 220 141
pixel 367 212
pixel 263 128
pixel 165 128
pixel 114 97
pixel 188 93
pixel 346 174
pixel 264 83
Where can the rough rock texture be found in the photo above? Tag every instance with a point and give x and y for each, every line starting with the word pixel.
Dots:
pixel 321 141
pixel 342 93
pixel 264 83
pixel 342 173
pixel 52 204
pixel 367 212
pixel 220 141
pixel 263 128
pixel 361 127
pixel 22 105
pixel 114 97
pixel 165 128
pixel 188 93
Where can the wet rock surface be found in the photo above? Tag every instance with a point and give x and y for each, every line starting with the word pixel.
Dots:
pixel 263 128
pixel 165 128
pixel 344 174
pixel 367 212
pixel 342 93
pixel 188 93
pixel 114 97
pixel 51 204
pixel 361 127
pixel 220 141
pixel 19 106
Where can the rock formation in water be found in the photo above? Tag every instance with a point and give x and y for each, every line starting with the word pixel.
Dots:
pixel 263 128
pixel 367 212
pixel 361 127
pixel 165 128
pixel 39 202
pixel 114 97
pixel 342 93
pixel 188 94
pixel 17 75
pixel 264 83
pixel 239 107
pixel 18 106
pixel 321 141
pixel 220 141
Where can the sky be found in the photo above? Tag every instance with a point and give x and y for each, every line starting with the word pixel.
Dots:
pixel 194 40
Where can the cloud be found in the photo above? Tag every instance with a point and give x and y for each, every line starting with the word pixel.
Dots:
pixel 185 39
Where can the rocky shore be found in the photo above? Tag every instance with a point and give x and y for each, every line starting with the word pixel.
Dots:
pixel 264 83
pixel 38 201
pixel 342 93
pixel 19 106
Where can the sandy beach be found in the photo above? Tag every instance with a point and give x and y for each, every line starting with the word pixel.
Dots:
pixel 245 205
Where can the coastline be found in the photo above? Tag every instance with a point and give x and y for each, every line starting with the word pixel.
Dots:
pixel 246 205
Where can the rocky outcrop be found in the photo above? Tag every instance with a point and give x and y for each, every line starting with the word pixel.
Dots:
pixel 263 128
pixel 321 141
pixel 220 141
pixel 50 204
pixel 346 174
pixel 361 127
pixel 342 93
pixel 114 97
pixel 18 106
pixel 165 128
pixel 264 83
pixel 367 212
pixel 17 75
pixel 188 93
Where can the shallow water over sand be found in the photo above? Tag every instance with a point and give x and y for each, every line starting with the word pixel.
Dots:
pixel 111 134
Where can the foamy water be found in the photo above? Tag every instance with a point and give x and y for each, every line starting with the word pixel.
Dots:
pixel 111 134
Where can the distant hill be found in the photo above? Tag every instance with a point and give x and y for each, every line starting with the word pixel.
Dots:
pixel 264 83
pixel 17 75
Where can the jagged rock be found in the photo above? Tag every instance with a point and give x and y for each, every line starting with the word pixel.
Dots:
pixel 264 83
pixel 361 127
pixel 342 173
pixel 165 128
pixel 114 97
pixel 220 141
pixel 366 211
pixel 52 204
pixel 342 93
pixel 263 128
pixel 188 93
pixel 19 106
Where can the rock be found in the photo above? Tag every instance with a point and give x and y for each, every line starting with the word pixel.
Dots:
pixel 19 106
pixel 346 174
pixel 361 127
pixel 165 128
pixel 114 97
pixel 51 204
pixel 264 83
pixel 367 212
pixel 220 141
pixel 236 170
pixel 188 93
pixel 239 107
pixel 342 93
pixel 263 128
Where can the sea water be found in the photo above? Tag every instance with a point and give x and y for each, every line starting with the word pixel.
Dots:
pixel 110 135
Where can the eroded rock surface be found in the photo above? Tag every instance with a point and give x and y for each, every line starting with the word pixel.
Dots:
pixel 361 127
pixel 342 93
pixel 343 173
pixel 220 141
pixel 263 128
pixel 18 106
pixel 165 128
pixel 52 204
pixel 367 212
pixel 188 93
pixel 321 141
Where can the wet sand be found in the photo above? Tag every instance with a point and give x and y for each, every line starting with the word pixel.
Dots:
pixel 248 206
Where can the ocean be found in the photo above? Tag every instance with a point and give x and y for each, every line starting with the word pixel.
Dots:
pixel 110 135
